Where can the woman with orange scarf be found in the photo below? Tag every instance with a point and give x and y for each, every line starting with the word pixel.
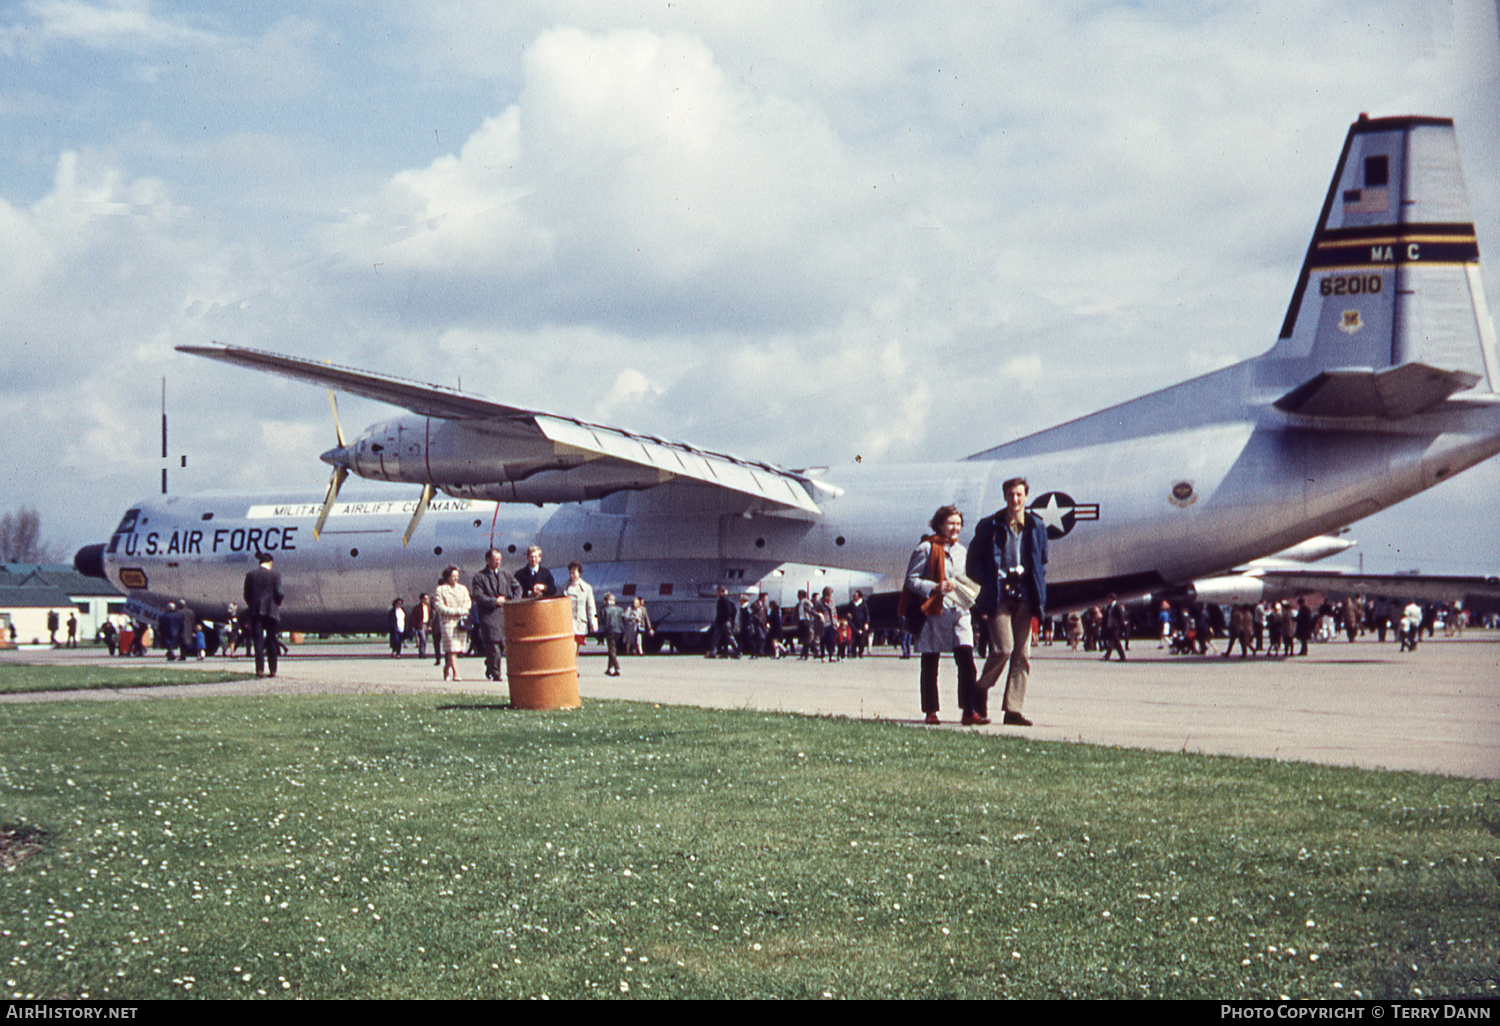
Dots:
pixel 946 628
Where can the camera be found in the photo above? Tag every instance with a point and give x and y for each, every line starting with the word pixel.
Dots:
pixel 1015 582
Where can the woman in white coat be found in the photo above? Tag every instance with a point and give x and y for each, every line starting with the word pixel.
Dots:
pixel 930 581
pixel 585 612
pixel 453 602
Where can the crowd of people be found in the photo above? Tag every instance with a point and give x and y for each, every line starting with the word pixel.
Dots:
pixel 815 629
pixel 184 636
pixel 1269 629
pixel 468 618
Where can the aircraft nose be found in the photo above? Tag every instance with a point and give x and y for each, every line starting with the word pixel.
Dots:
pixel 89 561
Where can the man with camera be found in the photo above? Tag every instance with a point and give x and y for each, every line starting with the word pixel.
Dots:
pixel 1008 558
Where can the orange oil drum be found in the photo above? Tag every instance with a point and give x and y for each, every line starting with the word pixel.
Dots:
pixel 541 655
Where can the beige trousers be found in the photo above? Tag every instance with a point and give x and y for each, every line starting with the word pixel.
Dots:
pixel 1010 642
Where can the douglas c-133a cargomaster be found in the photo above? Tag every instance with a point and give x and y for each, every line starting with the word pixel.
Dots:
pixel 1381 383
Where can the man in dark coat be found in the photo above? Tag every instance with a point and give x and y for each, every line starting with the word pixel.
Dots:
pixel 169 630
pixel 721 642
pixel 612 626
pixel 491 588
pixel 1008 560
pixel 1304 626
pixel 744 628
pixel 263 600
pixel 1116 627
pixel 859 624
pixel 536 581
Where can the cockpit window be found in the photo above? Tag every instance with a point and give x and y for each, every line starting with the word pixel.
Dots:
pixel 127 522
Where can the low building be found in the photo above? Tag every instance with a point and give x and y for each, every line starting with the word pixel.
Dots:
pixel 29 592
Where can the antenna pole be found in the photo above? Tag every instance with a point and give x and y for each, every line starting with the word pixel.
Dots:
pixel 164 434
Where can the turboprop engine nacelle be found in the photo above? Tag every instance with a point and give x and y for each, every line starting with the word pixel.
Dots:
pixel 475 460
pixel 420 449
pixel 1234 590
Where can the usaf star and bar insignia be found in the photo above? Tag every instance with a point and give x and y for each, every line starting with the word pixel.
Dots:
pixel 1059 512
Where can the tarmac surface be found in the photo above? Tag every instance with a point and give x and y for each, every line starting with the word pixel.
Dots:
pixel 1363 704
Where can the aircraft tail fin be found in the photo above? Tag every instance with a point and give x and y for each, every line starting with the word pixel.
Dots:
pixel 1391 279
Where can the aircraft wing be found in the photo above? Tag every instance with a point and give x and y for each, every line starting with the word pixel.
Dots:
pixel 774 485
pixel 1431 587
pixel 428 400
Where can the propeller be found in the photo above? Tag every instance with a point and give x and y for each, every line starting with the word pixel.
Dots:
pixel 339 460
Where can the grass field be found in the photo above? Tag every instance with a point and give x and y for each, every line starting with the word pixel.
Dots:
pixel 122 673
pixel 341 847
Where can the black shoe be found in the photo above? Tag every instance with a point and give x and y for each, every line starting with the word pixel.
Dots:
pixel 1015 719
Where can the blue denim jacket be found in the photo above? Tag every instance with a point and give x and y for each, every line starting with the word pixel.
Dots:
pixel 981 564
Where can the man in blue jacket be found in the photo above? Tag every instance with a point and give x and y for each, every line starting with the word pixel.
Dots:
pixel 1008 559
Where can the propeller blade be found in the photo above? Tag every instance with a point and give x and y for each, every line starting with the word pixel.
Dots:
pixel 337 428
pixel 334 484
pixel 339 472
pixel 427 493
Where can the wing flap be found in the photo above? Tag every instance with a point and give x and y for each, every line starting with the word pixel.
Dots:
pixel 761 480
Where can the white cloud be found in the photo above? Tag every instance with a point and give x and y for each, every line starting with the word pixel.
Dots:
pixel 631 386
pixel 121 25
pixel 460 213
pixel 94 262
pixel 186 64
pixel 1022 370
pixel 632 172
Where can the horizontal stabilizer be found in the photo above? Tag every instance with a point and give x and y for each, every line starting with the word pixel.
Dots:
pixel 1427 587
pixel 1392 394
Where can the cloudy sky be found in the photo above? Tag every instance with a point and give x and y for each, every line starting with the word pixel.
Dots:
pixel 797 231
